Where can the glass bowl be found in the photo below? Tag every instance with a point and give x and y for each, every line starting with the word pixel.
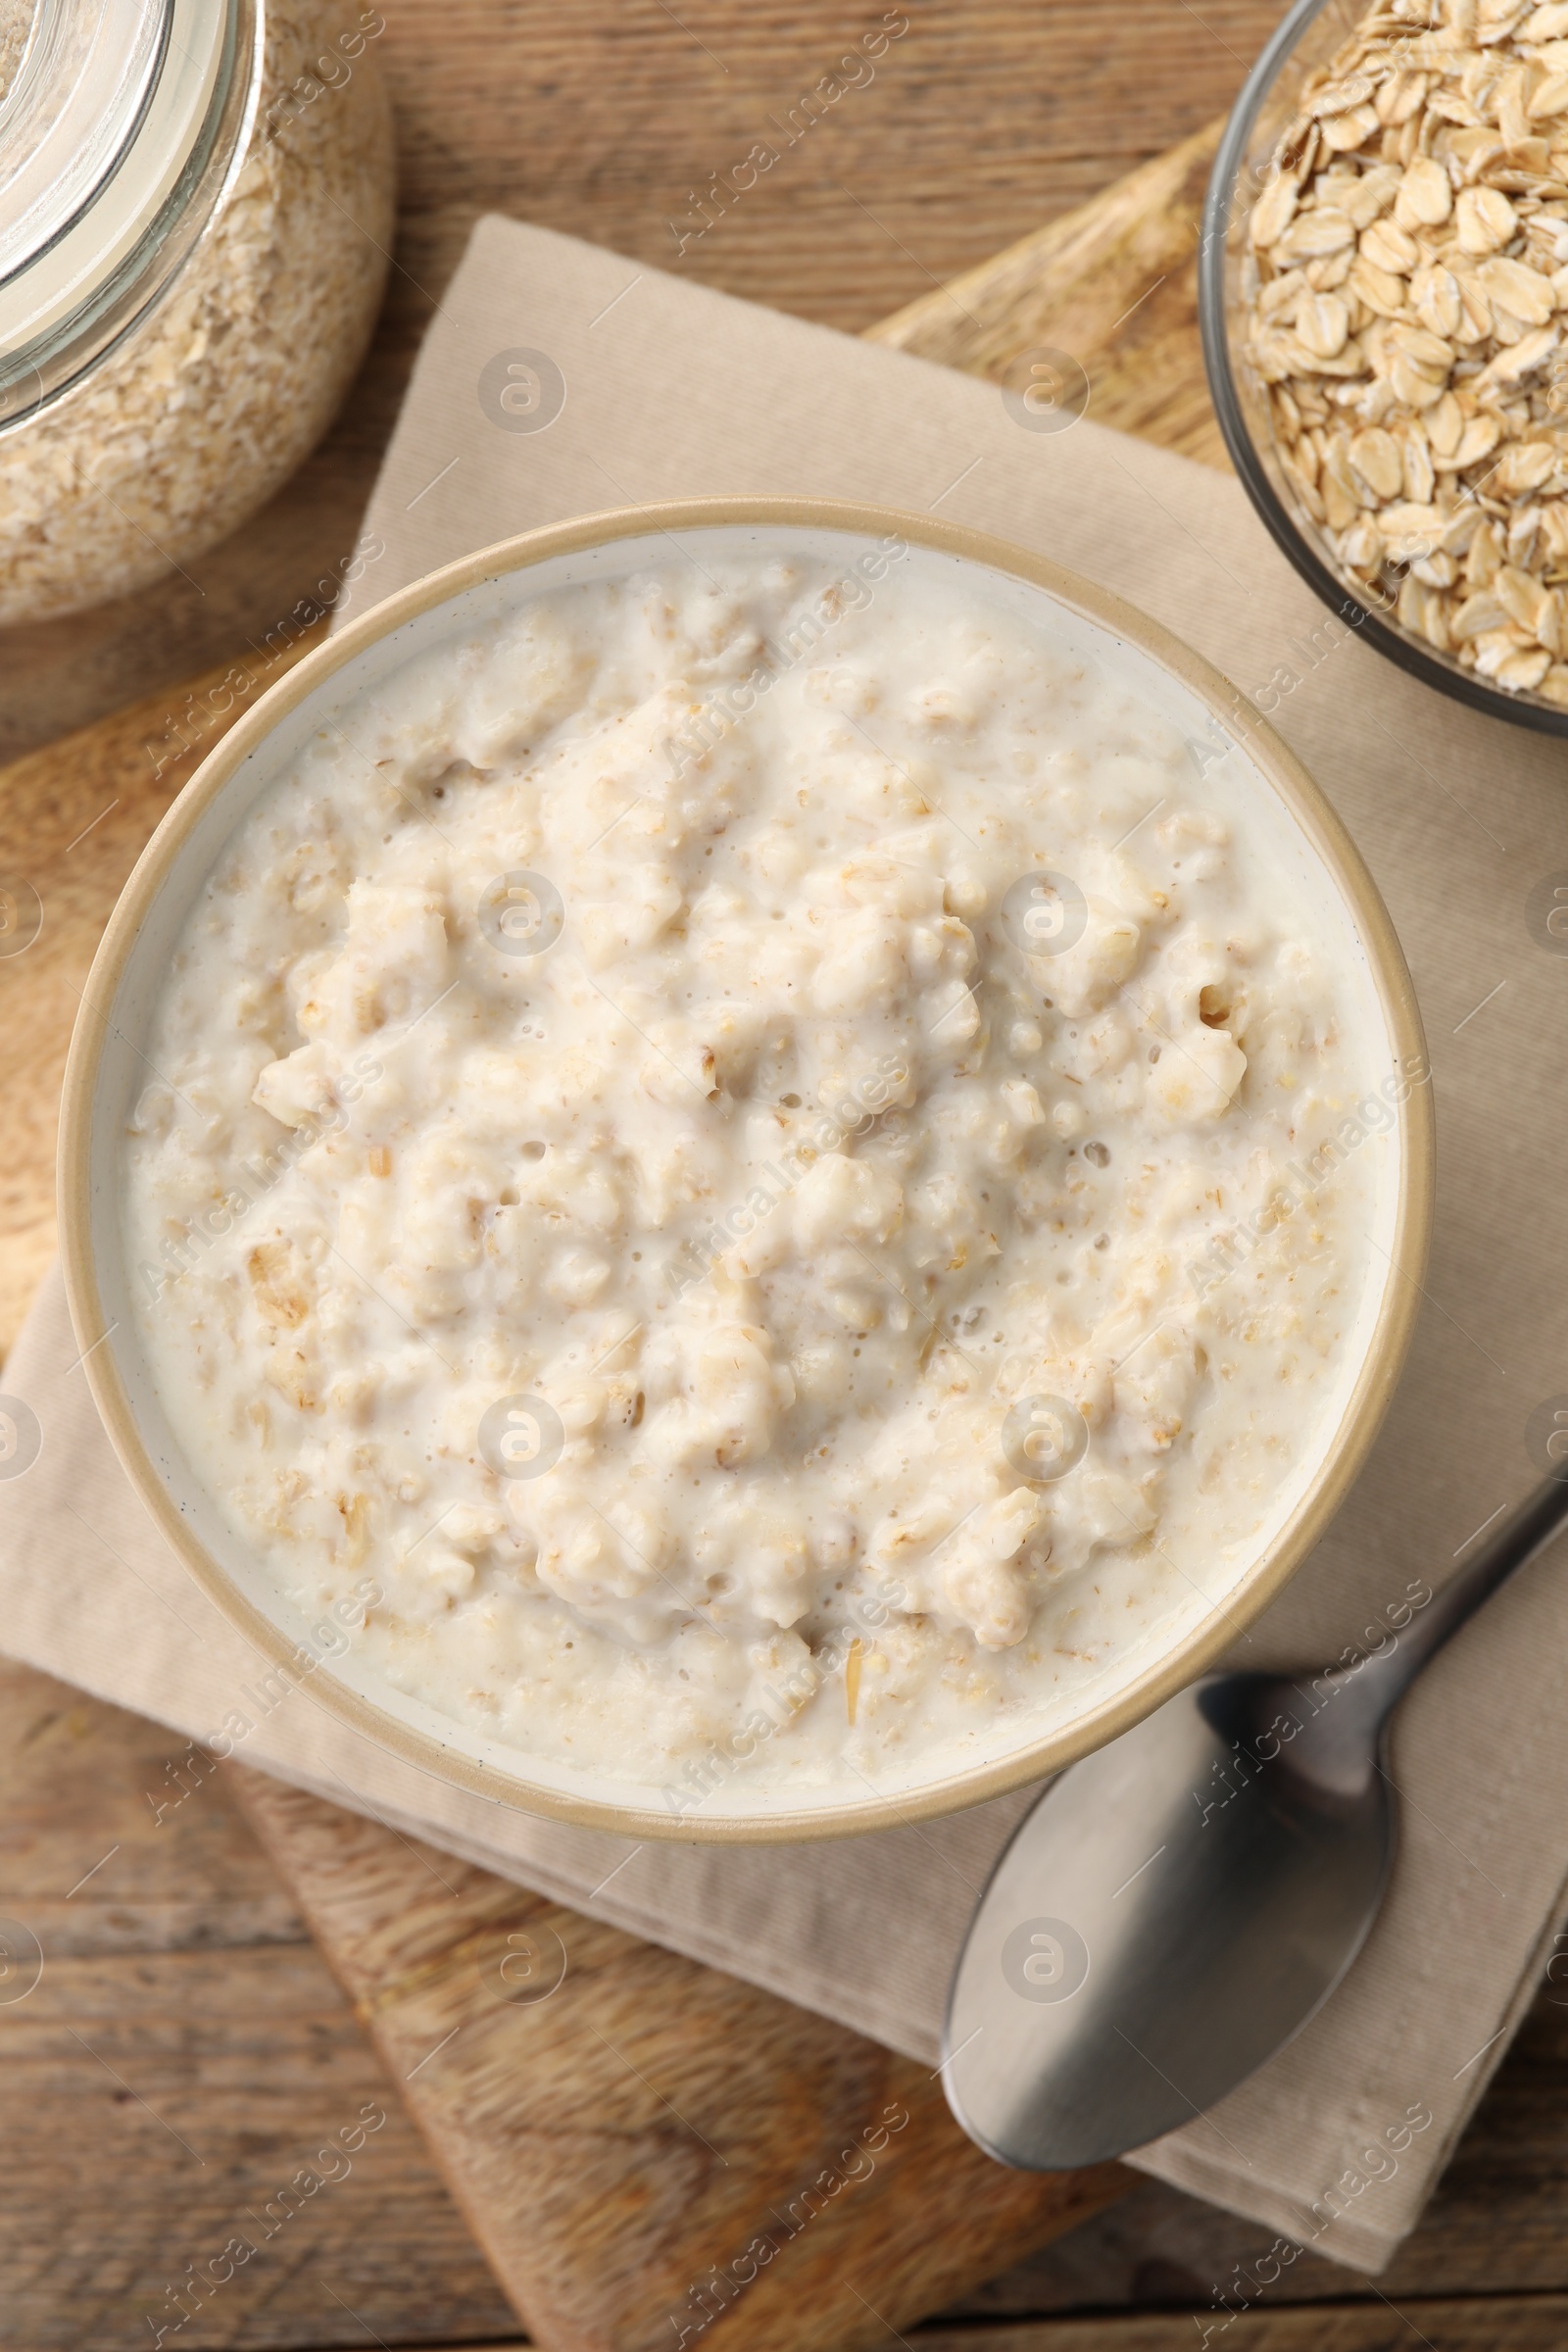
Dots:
pixel 1308 36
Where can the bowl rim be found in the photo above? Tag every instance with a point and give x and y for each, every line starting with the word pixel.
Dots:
pixel 1364 1406
pixel 1396 645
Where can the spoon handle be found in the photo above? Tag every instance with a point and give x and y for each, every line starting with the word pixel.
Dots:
pixel 1524 1533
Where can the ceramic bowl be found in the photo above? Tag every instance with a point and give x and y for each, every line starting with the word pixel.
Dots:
pixel 106 1075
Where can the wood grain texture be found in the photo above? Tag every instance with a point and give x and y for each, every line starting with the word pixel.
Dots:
pixel 1483 2325
pixel 1113 285
pixel 1486 2325
pixel 185 2054
pixel 650 2147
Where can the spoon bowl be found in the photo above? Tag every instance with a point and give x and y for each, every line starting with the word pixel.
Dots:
pixel 1171 1912
pixel 1179 1904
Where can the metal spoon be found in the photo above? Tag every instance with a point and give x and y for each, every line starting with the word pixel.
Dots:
pixel 1178 1905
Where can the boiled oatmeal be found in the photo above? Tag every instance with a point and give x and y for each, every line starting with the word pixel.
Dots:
pixel 752 1148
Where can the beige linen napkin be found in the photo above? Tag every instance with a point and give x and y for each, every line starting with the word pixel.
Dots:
pixel 636 387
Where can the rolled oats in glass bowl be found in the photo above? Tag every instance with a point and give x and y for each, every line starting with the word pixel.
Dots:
pixel 1384 297
pixel 195 207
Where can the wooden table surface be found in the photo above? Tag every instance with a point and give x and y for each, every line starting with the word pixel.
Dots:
pixel 187 2051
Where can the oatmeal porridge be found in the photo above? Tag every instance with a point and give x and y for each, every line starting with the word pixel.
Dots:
pixel 769 1159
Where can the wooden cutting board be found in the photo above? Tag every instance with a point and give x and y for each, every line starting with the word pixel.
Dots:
pixel 653 2152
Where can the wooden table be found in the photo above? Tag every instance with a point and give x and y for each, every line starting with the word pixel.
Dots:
pixel 188 2049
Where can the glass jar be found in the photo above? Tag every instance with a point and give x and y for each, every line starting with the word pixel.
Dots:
pixel 196 207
